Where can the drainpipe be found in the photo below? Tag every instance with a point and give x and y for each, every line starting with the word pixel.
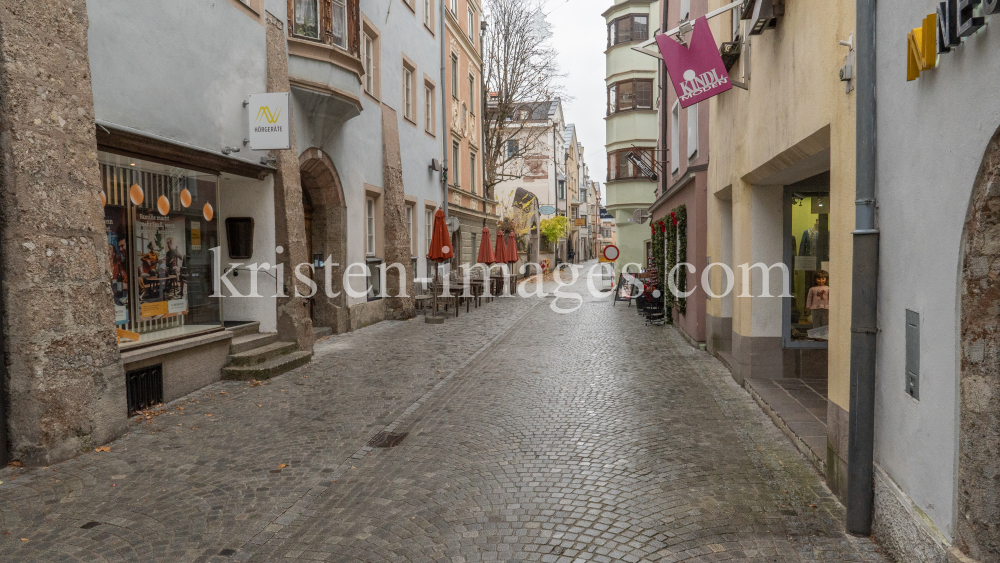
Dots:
pixel 864 298
pixel 444 114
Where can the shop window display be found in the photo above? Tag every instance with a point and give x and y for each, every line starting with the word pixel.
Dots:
pixel 808 236
pixel 160 224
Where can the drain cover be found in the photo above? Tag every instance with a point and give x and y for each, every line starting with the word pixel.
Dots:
pixel 387 439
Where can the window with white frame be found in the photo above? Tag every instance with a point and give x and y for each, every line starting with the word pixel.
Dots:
pixel 692 119
pixel 454 6
pixel 472 172
pixel 410 230
pixel 338 27
pixel 370 226
pixel 454 76
pixel 429 106
pixel 369 60
pixel 428 14
pixel 428 228
pixel 456 172
pixel 472 94
pixel 472 24
pixel 409 103
pixel 686 10
pixel 675 135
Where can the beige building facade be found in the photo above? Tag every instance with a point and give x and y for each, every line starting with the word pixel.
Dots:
pixel 781 194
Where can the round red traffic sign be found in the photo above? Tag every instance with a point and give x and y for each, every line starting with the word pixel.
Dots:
pixel 611 252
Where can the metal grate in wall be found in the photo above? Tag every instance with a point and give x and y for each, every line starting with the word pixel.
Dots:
pixel 144 388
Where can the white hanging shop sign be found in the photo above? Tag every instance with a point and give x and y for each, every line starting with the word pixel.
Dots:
pixel 268 115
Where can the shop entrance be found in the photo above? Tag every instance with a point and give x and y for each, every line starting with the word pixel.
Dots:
pixel 979 399
pixel 799 396
pixel 325 224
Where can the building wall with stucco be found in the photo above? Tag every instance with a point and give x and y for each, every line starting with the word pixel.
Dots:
pixel 794 121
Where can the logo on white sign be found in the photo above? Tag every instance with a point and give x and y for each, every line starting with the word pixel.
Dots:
pixel 268 115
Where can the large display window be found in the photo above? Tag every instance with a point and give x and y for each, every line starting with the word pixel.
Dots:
pixel 161 224
pixel 807 257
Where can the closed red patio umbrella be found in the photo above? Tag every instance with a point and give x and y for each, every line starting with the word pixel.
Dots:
pixel 439 251
pixel 485 251
pixel 500 252
pixel 512 253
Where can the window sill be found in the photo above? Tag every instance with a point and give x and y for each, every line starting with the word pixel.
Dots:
pixel 319 51
pixel 624 44
pixel 627 111
pixel 372 96
pixel 410 121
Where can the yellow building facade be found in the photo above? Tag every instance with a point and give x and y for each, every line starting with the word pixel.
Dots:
pixel 781 190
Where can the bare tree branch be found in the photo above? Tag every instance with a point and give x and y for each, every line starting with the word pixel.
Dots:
pixel 521 74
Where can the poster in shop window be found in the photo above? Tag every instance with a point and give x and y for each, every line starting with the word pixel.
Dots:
pixel 160 250
pixel 114 227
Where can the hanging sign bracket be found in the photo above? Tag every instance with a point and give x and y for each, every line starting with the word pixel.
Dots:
pixel 682 29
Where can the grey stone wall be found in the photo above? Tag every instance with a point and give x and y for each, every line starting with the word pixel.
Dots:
pixel 294 322
pixel 397 236
pixel 65 387
pixel 978 523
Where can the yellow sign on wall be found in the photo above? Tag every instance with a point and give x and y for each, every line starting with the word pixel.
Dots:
pixel 921 48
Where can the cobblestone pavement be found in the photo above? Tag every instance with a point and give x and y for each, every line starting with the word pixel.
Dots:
pixel 533 436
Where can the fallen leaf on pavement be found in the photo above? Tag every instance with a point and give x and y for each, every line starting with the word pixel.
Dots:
pixel 209 415
pixel 282 465
pixel 103 449
pixel 260 405
pixel 222 392
pixel 24 539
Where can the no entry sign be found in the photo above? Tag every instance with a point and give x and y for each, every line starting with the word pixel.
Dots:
pixel 611 253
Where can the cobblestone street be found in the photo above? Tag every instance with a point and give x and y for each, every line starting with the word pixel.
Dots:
pixel 532 436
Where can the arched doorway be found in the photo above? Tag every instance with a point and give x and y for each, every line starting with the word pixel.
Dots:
pixel 325 211
pixel 978 528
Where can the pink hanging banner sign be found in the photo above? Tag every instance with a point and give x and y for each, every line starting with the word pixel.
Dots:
pixel 696 70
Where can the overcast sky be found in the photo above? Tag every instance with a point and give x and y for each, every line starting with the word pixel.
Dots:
pixel 580 35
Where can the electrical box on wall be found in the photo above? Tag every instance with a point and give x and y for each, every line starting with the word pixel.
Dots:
pixel 913 354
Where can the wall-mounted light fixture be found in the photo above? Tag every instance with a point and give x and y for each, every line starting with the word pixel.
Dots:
pixel 765 15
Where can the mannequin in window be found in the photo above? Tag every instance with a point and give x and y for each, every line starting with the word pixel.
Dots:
pixel 818 302
pixel 810 240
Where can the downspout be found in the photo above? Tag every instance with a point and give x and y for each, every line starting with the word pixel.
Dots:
pixel 444 115
pixel 864 297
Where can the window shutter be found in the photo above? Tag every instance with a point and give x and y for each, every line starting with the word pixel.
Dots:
pixel 291 16
pixel 354 27
pixel 326 20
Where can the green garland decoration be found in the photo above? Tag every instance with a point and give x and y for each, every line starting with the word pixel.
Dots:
pixel 676 253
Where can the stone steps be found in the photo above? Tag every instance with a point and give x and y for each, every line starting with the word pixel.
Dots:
pixel 245 329
pixel 271 368
pixel 246 343
pixel 261 355
pixel 253 355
